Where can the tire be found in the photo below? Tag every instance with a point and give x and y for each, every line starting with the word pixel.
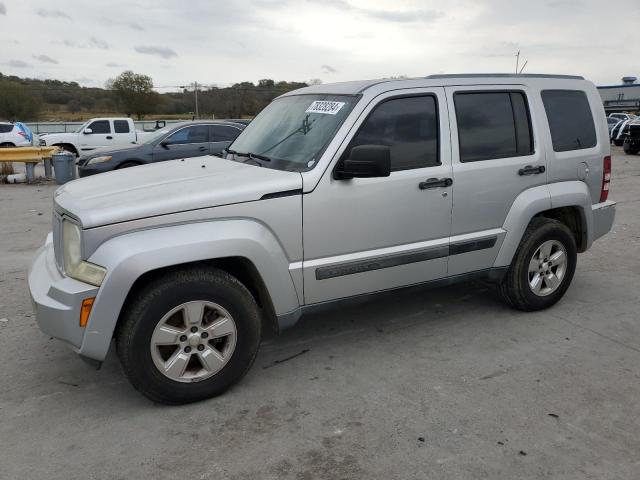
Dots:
pixel 7 145
pixel 629 150
pixel 515 288
pixel 141 357
pixel 67 148
pixel 127 164
pixel 618 143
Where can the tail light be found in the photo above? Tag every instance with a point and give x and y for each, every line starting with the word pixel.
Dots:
pixel 606 178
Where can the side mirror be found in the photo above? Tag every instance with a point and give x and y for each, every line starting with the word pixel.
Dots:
pixel 365 161
pixel 165 144
pixel 87 131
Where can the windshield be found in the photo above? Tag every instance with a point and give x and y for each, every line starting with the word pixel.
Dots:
pixel 292 132
pixel 82 127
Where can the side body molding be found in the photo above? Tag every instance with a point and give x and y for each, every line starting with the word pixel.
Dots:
pixel 538 199
pixel 129 256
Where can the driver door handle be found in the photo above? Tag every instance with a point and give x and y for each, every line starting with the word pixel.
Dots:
pixel 435 183
pixel 109 137
pixel 531 170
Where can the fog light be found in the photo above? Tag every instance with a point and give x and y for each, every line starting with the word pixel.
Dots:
pixel 85 310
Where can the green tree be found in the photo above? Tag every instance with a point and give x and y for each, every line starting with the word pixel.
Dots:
pixel 135 93
pixel 17 103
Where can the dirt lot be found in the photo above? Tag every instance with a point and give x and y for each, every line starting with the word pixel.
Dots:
pixel 444 384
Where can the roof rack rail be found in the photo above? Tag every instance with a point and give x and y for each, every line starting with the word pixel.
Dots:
pixel 504 75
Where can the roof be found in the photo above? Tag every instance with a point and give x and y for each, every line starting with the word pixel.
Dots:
pixel 356 87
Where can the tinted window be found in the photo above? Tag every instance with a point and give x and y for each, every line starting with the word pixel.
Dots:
pixel 221 133
pixel 121 126
pixel 492 125
pixel 570 120
pixel 409 126
pixel 100 126
pixel 5 127
pixel 196 134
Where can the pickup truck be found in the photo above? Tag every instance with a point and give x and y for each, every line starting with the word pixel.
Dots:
pixel 93 134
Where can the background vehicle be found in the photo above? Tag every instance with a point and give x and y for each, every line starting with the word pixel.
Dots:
pixel 619 132
pixel 16 135
pixel 611 124
pixel 332 192
pixel 93 134
pixel 632 138
pixel 181 140
pixel 622 116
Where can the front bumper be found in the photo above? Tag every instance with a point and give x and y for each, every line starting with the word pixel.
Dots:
pixel 603 216
pixel 57 299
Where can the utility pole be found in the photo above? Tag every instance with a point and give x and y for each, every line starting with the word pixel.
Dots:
pixel 195 85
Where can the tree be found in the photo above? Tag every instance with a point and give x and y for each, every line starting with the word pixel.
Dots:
pixel 135 93
pixel 17 103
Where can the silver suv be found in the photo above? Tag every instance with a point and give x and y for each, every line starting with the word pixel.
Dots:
pixel 332 192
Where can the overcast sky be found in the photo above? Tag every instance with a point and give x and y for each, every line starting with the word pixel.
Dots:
pixel 221 41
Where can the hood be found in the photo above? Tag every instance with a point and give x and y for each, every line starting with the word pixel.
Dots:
pixel 169 187
pixel 98 152
pixel 55 136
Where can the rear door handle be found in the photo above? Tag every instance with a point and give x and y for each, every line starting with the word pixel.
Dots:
pixel 109 137
pixel 435 183
pixel 531 170
pixel 203 149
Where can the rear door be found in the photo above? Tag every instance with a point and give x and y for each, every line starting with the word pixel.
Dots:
pixel 496 156
pixel 123 132
pixel 221 136
pixel 191 141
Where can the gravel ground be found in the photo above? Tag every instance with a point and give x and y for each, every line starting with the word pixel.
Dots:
pixel 444 384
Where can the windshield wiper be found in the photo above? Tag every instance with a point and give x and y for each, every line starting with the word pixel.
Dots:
pixel 250 155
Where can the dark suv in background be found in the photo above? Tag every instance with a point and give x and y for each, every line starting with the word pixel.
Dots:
pixel 180 140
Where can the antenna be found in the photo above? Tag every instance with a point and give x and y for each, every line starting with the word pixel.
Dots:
pixel 524 65
pixel 517 61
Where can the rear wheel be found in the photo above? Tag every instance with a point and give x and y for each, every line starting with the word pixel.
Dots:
pixel 629 150
pixel 542 267
pixel 7 145
pixel 189 335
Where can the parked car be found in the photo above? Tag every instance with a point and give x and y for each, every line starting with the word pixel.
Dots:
pixel 619 132
pixel 181 140
pixel 631 143
pixel 622 116
pixel 332 192
pixel 611 124
pixel 93 134
pixel 16 135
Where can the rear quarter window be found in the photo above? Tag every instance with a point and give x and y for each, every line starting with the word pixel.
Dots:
pixel 5 127
pixel 570 120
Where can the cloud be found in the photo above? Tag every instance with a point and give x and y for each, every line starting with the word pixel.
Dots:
pixel 388 15
pixel 18 64
pixel 135 26
pixel 43 12
pixel 163 52
pixel 93 42
pixel 114 65
pixel 45 59
pixel 97 43
pixel 328 69
pixel 3 9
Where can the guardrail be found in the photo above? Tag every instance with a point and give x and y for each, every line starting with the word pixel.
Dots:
pixel 30 156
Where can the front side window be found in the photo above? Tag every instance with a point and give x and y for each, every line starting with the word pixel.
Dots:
pixel 100 126
pixel 570 120
pixel 121 126
pixel 492 125
pixel 408 126
pixel 293 131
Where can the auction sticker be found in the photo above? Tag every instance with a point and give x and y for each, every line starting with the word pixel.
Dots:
pixel 325 106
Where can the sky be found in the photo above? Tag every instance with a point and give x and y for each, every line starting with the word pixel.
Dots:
pixel 221 42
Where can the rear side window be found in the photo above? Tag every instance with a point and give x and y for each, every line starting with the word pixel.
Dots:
pixel 121 126
pixel 492 125
pixel 222 133
pixel 409 126
pixel 5 127
pixel 100 126
pixel 570 119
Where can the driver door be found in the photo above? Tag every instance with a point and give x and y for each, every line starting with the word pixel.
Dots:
pixel 370 234
pixel 101 136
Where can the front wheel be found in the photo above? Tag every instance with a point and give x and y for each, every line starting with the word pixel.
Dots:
pixel 542 267
pixel 189 335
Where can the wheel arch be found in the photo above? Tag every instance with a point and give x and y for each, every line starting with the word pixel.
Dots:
pixel 242 248
pixel 568 202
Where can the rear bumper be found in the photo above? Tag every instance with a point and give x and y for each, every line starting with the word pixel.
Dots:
pixel 603 216
pixel 57 299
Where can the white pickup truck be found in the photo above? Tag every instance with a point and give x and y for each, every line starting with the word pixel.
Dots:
pixel 93 134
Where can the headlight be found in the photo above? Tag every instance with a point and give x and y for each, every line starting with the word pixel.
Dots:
pixel 94 160
pixel 74 266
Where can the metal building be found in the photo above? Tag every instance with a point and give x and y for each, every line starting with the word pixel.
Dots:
pixel 621 98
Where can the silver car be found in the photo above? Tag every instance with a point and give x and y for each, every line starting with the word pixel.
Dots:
pixel 332 193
